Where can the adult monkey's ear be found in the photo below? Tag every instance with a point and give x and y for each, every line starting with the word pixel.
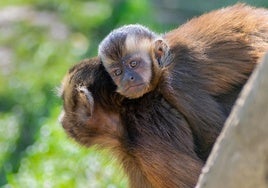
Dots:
pixel 162 52
pixel 86 98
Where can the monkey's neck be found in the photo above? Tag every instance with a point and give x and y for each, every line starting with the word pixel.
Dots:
pixel 157 77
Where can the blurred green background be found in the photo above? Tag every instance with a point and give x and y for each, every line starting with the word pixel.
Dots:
pixel 39 41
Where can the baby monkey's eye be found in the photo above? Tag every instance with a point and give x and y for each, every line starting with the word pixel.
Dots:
pixel 133 64
pixel 117 72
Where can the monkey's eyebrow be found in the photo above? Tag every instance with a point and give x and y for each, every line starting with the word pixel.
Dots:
pixel 114 65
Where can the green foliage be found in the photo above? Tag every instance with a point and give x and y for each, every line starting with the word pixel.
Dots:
pixel 39 45
pixel 39 41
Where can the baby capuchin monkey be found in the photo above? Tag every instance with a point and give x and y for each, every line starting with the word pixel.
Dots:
pixel 199 68
pixel 131 55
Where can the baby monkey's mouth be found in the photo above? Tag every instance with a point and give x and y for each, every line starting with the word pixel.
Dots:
pixel 135 88
pixel 133 91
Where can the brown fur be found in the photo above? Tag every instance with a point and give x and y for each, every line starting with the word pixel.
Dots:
pixel 151 140
pixel 213 56
pixel 208 61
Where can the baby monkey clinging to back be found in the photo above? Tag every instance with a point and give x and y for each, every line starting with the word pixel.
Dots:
pixel 199 68
pixel 133 55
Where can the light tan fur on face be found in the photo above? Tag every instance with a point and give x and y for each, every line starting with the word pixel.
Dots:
pixel 147 69
pixel 134 44
pixel 107 62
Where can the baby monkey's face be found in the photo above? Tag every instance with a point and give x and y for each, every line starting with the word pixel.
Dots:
pixel 133 63
pixel 132 74
pixel 131 54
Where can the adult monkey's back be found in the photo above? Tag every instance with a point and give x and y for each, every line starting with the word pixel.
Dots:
pixel 214 54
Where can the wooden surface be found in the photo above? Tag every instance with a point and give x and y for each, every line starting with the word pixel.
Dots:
pixel 240 156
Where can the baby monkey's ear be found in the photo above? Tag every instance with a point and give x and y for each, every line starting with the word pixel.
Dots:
pixel 162 53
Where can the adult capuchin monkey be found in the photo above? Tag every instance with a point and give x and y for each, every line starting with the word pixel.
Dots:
pixel 151 140
pixel 199 68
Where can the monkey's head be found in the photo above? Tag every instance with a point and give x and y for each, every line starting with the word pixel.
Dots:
pixel 90 103
pixel 133 56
